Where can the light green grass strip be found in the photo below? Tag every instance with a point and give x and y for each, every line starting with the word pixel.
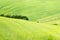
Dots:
pixel 50 18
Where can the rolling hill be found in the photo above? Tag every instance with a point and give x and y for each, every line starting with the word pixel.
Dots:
pixel 34 9
pixel 49 18
pixel 17 29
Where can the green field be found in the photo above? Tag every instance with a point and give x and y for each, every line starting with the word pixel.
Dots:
pixel 14 29
pixel 34 9
pixel 46 12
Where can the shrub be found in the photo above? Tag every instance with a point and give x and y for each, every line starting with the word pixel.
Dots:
pixel 16 16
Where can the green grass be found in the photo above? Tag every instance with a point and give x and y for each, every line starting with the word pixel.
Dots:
pixel 34 9
pixel 49 18
pixel 54 19
pixel 17 29
pixel 54 22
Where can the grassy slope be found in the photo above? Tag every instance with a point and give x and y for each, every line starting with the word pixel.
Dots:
pixel 14 29
pixel 54 22
pixel 34 9
pixel 54 19
pixel 50 18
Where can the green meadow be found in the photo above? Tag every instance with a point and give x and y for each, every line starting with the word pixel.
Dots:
pixel 42 14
